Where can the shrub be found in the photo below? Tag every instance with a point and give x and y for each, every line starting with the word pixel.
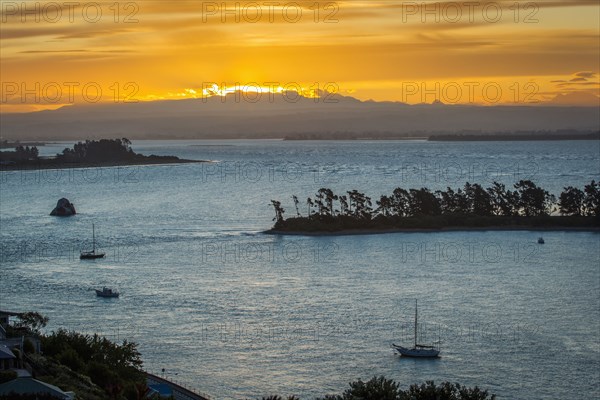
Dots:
pixel 71 359
pixel 28 347
pixel 8 375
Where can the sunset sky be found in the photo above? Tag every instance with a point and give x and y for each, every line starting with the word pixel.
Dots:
pixel 457 52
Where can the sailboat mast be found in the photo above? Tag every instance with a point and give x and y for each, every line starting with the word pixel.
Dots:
pixel 93 238
pixel 415 323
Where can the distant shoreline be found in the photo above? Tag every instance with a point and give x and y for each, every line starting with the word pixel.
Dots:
pixel 11 145
pixel 452 137
pixel 108 164
pixel 351 232
pixel 514 137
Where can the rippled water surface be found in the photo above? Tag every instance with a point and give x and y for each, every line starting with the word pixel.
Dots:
pixel 237 313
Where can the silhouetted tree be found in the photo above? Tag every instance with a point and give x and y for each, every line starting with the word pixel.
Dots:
pixel 479 201
pixel 423 202
pixel 570 201
pixel 592 199
pixel 98 150
pixel 343 205
pixel 452 202
pixel 278 211
pixel 504 202
pixel 377 388
pixel 320 202
pixel 401 202
pixel 533 200
pixel 31 322
pixel 384 206
pixel 326 198
pixel 310 204
pixel 296 202
pixel 361 203
pixel 445 391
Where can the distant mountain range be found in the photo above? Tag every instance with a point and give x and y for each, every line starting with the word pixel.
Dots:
pixel 282 115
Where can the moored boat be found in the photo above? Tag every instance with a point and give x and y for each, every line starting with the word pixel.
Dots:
pixel 90 255
pixel 418 350
pixel 106 292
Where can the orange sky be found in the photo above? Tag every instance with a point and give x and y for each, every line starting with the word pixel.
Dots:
pixel 55 53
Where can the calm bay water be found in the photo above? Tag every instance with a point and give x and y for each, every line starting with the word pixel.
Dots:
pixel 238 313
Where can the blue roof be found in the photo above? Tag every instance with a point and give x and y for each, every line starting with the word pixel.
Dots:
pixel 6 353
pixel 162 389
pixel 30 385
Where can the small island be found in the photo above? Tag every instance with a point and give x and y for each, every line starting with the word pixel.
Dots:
pixel 527 207
pixel 91 153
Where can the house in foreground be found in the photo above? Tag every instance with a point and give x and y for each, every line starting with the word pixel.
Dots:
pixel 29 385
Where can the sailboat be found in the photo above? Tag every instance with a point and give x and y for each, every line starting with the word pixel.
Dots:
pixel 106 292
pixel 419 350
pixel 87 255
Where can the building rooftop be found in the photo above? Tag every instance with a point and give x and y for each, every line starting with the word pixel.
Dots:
pixel 32 386
pixel 6 353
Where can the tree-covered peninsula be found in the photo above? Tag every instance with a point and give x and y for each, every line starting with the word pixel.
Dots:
pixel 527 206
pixel 91 153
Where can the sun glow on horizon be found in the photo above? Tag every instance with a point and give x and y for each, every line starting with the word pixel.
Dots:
pixel 167 50
pixel 254 88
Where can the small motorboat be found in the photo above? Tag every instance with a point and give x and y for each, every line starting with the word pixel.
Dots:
pixel 106 292
pixel 541 240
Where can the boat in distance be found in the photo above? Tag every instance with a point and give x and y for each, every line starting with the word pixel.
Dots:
pixel 90 255
pixel 418 350
pixel 106 292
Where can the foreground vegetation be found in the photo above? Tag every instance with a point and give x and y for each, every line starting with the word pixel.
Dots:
pixel 527 206
pixel 104 152
pixel 90 365
pixel 380 388
pixel 97 369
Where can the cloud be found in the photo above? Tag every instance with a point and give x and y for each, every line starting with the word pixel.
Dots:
pixel 568 84
pixel 578 80
pixel 585 74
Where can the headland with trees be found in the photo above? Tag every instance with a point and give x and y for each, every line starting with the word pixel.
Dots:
pixel 91 153
pixel 527 207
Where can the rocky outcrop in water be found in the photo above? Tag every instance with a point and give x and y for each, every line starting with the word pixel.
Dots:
pixel 64 208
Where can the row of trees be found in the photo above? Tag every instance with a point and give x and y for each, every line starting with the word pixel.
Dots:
pixel 21 153
pixel 98 150
pixel 115 368
pixel 527 199
pixel 380 388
